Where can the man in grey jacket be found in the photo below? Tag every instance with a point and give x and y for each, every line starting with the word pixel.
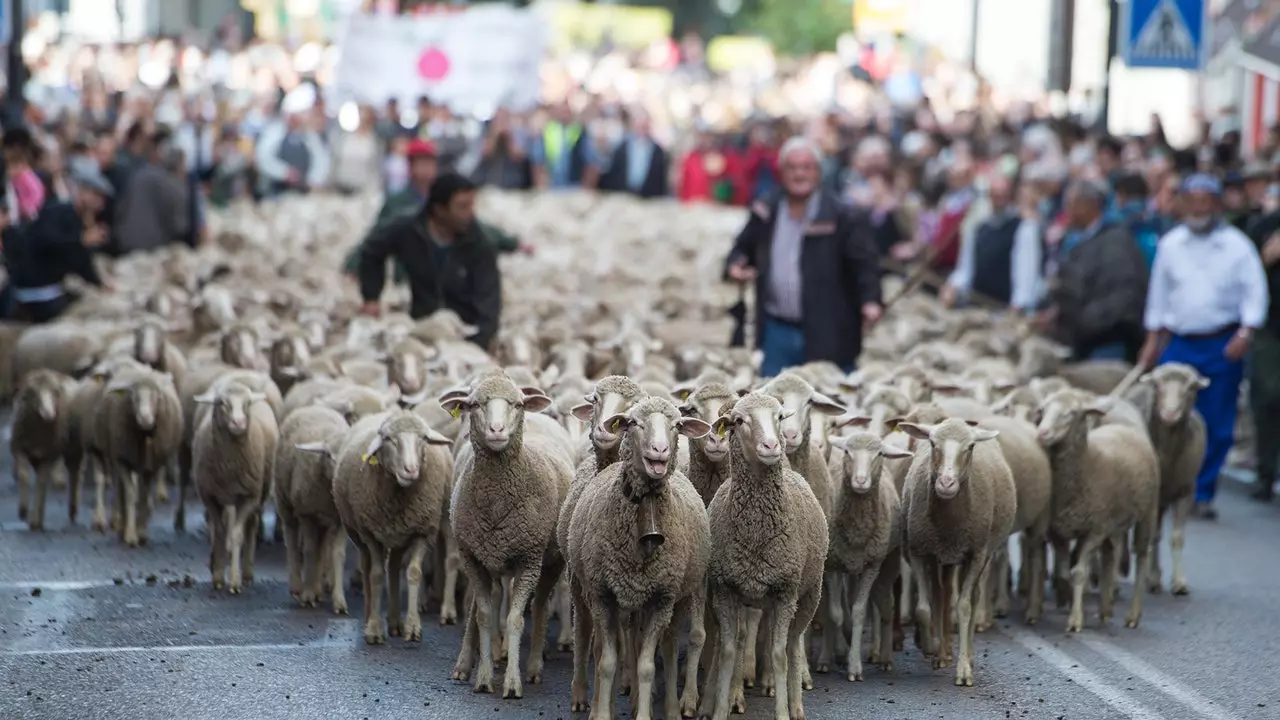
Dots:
pixel 155 211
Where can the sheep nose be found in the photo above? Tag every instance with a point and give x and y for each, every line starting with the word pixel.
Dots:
pixel 659 447
pixel 770 445
pixel 496 426
pixel 790 434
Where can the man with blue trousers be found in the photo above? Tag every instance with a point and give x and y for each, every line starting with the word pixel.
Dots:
pixel 1208 295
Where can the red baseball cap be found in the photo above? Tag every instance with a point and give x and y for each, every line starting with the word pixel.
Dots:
pixel 420 148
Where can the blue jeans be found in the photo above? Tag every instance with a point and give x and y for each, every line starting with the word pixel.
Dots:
pixel 783 347
pixel 1216 403
pixel 1110 351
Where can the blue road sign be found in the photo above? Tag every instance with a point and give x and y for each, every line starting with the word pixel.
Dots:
pixel 1165 33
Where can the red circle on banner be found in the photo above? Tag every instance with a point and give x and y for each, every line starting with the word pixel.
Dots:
pixel 433 64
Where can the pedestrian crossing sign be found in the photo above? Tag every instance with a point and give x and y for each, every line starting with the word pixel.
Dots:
pixel 1165 33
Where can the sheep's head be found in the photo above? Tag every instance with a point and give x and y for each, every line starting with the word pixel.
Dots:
pixel 231 406
pixel 148 341
pixel 519 348
pixel 799 398
pixel 1176 387
pixel 630 349
pixel 239 347
pixel 707 403
pixel 650 428
pixel 315 326
pixel 397 447
pixel 44 391
pixel 144 390
pixel 1020 403
pixel 612 395
pixel 985 388
pixel 1061 413
pixel 496 408
pixel 290 354
pixel 952 442
pixel 406 366
pixel 881 405
pixel 755 421
pixel 1044 387
pixel 1040 358
pixel 356 402
pixel 914 381
pixel 863 454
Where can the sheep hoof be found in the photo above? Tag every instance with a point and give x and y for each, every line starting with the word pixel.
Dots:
pixel 1002 612
pixel 375 632
pixel 940 662
pixel 219 584
pixel 583 706
pixel 822 668
pixel 806 682
pixel 738 706
pixel 564 646
pixel 1180 589
pixel 340 607
pixel 886 666
pixel 395 629
pixel 981 627
pixel 1132 622
pixel 533 677
pixel 767 692
pixel 1032 619
pixel 512 690
pixel 749 682
pixel 1155 588
pixel 460 674
pixel 22 512
pixel 1074 625
pixel 162 494
pixel 35 525
pixel 855 676
pixel 483 687
pixel 448 618
pixel 964 681
pixel 413 633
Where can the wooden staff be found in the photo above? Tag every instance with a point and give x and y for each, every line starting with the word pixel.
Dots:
pixel 1128 381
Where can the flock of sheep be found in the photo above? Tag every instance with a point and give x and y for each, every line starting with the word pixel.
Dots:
pixel 610 462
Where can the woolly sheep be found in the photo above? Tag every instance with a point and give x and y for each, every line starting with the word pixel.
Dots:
pixel 389 485
pixel 38 440
pixel 139 425
pixel 1020 403
pixel 308 392
pixel 355 403
pixel 709 454
pixel 233 452
pixel 960 504
pixel 407 365
pixel 1105 481
pixel 306 458
pixel 288 358
pixel 239 347
pixel 639 543
pixel 503 514
pixel 1178 434
pixel 68 348
pixel 769 548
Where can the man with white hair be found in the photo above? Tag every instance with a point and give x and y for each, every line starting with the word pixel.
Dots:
pixel 291 156
pixel 814 266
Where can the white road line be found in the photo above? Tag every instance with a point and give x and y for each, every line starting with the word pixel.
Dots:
pixel 1191 699
pixel 56 584
pixel 323 645
pixel 1082 676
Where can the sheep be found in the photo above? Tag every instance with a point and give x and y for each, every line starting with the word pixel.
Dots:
pixel 307 392
pixel 639 543
pixel 288 358
pixel 1105 481
pixel 708 455
pixel 238 347
pixel 519 347
pixel 151 347
pixel 139 425
pixel 233 453
pixel 1033 480
pixel 68 348
pixel 389 492
pixel 1178 433
pixel 503 515
pixel 960 505
pixel 769 550
pixel 355 403
pixel 1041 358
pixel 406 365
pixel 38 439
pixel 306 458
pixel 866 534
pixel 1020 403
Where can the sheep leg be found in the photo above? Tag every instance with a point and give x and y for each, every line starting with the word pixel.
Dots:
pixel 452 562
pixel 605 627
pixel 523 585
pixel 1062 572
pixel 697 610
pixel 787 630
pixel 1034 571
pixel 236 517
pixel 832 624
pixel 946 601
pixel 806 679
pixel 373 561
pixel 337 557
pixel 541 613
pixel 565 639
pixel 1155 579
pixel 1079 576
pixel 95 468
pixel 627 639
pixel 482 606
pixel 251 526
pixel 982 601
pixel 129 534
pixel 899 637
pixel 363 566
pixel 162 486
pixel 470 641
pixel 146 480
pixel 888 617
pixel 73 487
pixel 296 536
pixel 117 498
pixel 671 664
pixel 184 482
pixel 747 660
pixel 907 613
pixel 863 583
pixel 1177 539
pixel 1003 577
pixel 413 577
pixel 395 567
pixel 923 571
pixel 970 574
pixel 44 476
pixel 727 611
pixel 1142 548
pixel 218 546
pixel 1024 579
pixel 581 619
pixel 706 705
pixel 22 477
pixel 654 627
pixel 1109 567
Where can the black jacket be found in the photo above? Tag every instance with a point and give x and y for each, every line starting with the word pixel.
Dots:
pixel 839 272
pixel 49 249
pixel 655 179
pixel 1260 231
pixel 1102 291
pixel 462 277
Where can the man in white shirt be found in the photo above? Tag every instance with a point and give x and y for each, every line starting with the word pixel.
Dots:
pixel 1208 295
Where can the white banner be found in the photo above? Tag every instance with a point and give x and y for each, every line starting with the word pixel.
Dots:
pixel 472 61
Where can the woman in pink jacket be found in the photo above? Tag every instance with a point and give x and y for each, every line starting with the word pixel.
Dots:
pixel 24 191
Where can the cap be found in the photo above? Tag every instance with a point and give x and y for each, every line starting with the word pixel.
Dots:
pixel 87 175
pixel 1232 179
pixel 420 148
pixel 1202 182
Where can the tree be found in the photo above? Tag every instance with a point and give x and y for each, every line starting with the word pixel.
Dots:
pixel 799 28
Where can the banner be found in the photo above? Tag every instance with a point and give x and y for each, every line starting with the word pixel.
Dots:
pixel 577 24
pixel 473 61
pixel 876 18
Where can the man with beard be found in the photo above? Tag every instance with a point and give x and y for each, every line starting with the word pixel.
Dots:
pixel 1208 297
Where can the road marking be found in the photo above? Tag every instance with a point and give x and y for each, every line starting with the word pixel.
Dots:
pixel 322 645
pixel 1169 686
pixel 56 584
pixel 1082 676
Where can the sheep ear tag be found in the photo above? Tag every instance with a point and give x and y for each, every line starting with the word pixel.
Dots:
pixel 613 427
pixel 370 459
pixel 456 412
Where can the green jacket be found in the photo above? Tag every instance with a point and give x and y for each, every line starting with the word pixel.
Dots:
pixel 407 202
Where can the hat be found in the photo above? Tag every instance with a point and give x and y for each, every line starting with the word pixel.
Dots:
pixel 420 148
pixel 85 173
pixel 1202 182
pixel 299 100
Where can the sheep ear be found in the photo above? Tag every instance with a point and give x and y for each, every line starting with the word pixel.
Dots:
pixel 971 423
pixel 853 421
pixel 536 403
pixel 454 405
pixel 118 388
pixel 1062 353
pixel 915 430
pixel 374 446
pixel 948 388
pixel 893 424
pixel 743 392
pixel 982 434
pixel 607 345
pixel 289 372
pixel 432 437
pixel 693 427
pixel 582 411
pixel 313 447
pixel 1002 405
pixel 839 442
pixel 682 391
pixel 206 399
pixel 655 346
pixel 529 390
pixel 893 452
pixel 467 330
pixel 1004 385
pixel 618 422
pixel 826 406
pixel 786 414
pixel 721 425
pixel 257 397
pixel 1201 382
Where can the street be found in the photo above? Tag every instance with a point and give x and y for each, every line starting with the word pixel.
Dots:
pixel 92 630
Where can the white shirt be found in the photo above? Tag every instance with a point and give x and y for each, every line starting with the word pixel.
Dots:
pixel 1203 283
pixel 1024 266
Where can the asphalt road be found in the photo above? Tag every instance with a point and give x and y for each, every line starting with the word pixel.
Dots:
pixel 90 630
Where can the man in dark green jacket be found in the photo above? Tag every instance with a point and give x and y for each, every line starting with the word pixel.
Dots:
pixel 422 173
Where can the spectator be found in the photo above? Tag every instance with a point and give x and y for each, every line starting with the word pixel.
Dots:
pixel 448 261
pixel 395 167
pixel 811 305
pixel 291 157
pixel 504 154
pixel 761 162
pixel 357 156
pixel 1101 281
pixel 639 165
pixel 562 155
pixel 1132 209
pixel 389 127
pixel 232 165
pixel 1002 259
pixel 1106 158
pixel 136 147
pixel 880 202
pixel 25 191
pixel 155 210
pixel 1264 381
pixel 59 243
pixel 1208 297
pixel 698 171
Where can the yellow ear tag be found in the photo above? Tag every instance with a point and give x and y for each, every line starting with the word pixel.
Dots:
pixel 614 427
pixel 456 411
pixel 722 430
pixel 370 459
pixel 685 395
